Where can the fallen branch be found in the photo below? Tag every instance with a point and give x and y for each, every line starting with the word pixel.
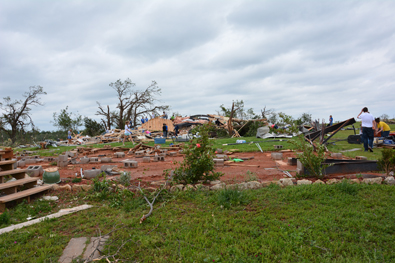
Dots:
pixel 151 204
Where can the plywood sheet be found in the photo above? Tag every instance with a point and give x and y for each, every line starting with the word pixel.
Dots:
pixel 157 124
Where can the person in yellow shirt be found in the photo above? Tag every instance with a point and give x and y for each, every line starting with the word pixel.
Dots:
pixel 383 128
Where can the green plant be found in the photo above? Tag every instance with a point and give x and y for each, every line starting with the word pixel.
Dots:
pixel 346 187
pixel 76 180
pixel 250 176
pixel 228 198
pixel 198 162
pixel 101 188
pixel 53 163
pixel 313 161
pixel 387 161
pixel 4 218
pixel 125 178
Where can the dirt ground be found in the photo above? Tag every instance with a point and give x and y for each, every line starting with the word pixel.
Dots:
pixel 261 167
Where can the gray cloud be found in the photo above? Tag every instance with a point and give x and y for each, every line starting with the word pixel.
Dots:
pixel 331 57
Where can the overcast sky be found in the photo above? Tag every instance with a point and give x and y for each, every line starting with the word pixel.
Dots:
pixel 319 57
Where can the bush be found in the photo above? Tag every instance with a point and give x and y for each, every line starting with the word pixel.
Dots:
pixel 125 178
pixel 76 180
pixel 198 162
pixel 387 161
pixel 5 218
pixel 312 161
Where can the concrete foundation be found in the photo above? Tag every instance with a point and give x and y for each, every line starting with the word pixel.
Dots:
pixel 278 146
pixel 292 161
pixel 84 160
pixel 159 158
pixel 106 167
pixel 139 154
pixel 219 162
pixel 337 155
pixel 89 174
pixel 30 161
pixel 21 163
pixel 146 159
pixel 94 160
pixel 222 156
pixel 130 164
pixel 172 153
pixel 35 170
pixel 119 155
pixel 277 156
pixel 105 160
pixel 49 159
pixel 62 158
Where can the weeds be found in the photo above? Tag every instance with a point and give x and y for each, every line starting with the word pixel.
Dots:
pixel 387 161
pixel 4 219
pixel 76 180
pixel 227 198
pixel 346 187
pixel 125 178
pixel 250 176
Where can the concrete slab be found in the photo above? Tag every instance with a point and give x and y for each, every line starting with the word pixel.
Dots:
pixel 73 250
pixel 91 252
pixel 62 212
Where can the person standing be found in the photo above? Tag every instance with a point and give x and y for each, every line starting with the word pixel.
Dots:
pixel 164 129
pixel 164 116
pixel 330 120
pixel 383 128
pixel 69 136
pixel 367 128
pixel 128 132
pixel 142 120
pixel 176 128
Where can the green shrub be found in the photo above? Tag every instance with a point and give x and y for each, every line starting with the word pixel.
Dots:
pixel 387 161
pixel 5 218
pixel 198 162
pixel 228 198
pixel 125 178
pixel 311 160
pixel 76 180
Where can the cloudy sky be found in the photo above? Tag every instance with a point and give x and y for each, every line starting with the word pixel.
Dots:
pixel 320 57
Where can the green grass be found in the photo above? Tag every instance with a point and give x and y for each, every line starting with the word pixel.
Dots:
pixel 266 145
pixel 312 223
pixel 344 145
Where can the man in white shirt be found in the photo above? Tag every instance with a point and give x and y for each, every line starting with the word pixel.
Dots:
pixel 368 124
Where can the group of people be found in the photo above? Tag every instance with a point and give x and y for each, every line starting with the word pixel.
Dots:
pixel 371 126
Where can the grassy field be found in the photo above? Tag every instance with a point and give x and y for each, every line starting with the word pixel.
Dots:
pixel 314 223
pixel 266 145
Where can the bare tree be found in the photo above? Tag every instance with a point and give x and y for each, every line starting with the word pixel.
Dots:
pixel 108 117
pixel 266 112
pixel 124 93
pixel 16 113
pixel 143 102
pixel 131 103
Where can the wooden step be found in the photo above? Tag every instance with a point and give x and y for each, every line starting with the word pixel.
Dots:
pixel 16 173
pixel 7 165
pixel 6 154
pixel 23 194
pixel 12 187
